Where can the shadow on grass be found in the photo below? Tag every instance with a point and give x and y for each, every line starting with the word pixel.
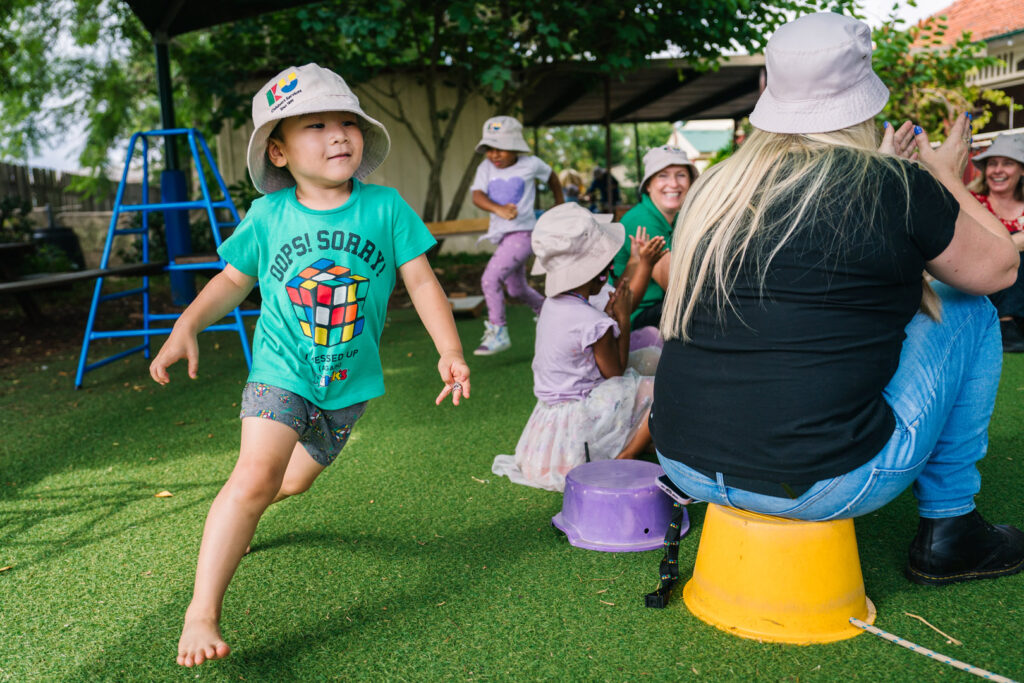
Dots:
pixel 85 509
pixel 120 422
pixel 267 649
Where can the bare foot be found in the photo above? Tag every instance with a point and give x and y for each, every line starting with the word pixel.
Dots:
pixel 200 641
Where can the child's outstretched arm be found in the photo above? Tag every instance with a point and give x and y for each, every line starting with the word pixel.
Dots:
pixel 482 201
pixel 223 293
pixel 660 274
pixel 436 313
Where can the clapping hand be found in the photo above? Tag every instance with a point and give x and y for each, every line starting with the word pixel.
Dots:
pixel 646 249
pixel 620 303
pixel 899 142
pixel 947 161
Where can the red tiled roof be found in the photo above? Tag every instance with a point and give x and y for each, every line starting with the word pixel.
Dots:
pixel 983 18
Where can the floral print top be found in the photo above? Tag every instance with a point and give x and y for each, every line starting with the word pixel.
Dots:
pixel 1012 224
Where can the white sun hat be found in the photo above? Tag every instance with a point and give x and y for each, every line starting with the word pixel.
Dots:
pixel 659 158
pixel 503 132
pixel 1009 146
pixel 819 77
pixel 301 90
pixel 573 246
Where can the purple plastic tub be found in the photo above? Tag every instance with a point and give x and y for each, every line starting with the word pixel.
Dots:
pixel 615 506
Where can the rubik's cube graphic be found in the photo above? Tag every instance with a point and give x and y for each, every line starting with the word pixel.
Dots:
pixel 326 300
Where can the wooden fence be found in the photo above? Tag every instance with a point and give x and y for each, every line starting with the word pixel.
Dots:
pixel 42 186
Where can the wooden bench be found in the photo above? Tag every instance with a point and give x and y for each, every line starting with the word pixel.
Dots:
pixel 462 305
pixel 462 226
pixel 23 288
pixel 33 283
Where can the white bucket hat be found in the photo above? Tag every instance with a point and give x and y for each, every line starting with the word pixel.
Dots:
pixel 662 157
pixel 1009 146
pixel 503 132
pixel 819 77
pixel 573 246
pixel 307 90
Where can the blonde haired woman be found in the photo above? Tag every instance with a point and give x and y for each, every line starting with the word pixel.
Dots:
pixel 798 378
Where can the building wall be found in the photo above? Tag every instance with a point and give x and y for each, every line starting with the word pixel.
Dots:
pixel 1008 77
pixel 405 167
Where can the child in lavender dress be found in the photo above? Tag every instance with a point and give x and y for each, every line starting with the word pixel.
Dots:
pixel 591 399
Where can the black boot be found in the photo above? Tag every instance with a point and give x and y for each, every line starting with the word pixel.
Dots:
pixel 1013 340
pixel 961 548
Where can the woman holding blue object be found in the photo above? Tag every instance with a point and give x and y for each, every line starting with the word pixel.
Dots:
pixel 795 309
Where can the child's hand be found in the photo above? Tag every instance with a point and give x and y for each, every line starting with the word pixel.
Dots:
pixel 455 374
pixel 507 211
pixel 620 303
pixel 179 345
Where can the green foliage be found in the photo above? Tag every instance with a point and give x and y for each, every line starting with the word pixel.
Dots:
pixel 243 194
pixel 497 51
pixel 47 258
pixel 200 237
pixel 928 82
pixel 722 154
pixel 583 147
pixel 15 225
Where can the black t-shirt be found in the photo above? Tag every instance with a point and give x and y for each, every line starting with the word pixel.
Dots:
pixel 791 389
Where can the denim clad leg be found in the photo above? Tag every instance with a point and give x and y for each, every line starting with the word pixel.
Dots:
pixel 942 396
pixel 950 479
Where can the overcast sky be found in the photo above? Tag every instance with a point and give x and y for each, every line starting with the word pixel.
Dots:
pixel 65 156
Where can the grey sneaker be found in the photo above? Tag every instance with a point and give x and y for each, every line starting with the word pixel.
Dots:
pixel 495 340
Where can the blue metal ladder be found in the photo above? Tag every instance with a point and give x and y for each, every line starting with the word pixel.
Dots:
pixel 196 143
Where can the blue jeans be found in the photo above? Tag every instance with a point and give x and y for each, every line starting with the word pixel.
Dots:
pixel 942 396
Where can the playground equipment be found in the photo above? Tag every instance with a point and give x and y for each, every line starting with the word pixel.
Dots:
pixel 175 207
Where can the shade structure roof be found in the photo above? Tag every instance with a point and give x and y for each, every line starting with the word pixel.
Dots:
pixel 174 17
pixel 662 90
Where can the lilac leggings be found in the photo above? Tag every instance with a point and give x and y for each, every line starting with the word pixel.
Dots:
pixel 508 267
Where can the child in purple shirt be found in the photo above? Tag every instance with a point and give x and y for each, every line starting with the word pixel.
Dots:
pixel 504 187
pixel 591 399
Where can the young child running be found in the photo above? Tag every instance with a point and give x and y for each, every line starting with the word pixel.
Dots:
pixel 590 397
pixel 325 249
pixel 504 186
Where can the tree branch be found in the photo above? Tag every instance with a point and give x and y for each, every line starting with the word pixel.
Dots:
pixel 399 115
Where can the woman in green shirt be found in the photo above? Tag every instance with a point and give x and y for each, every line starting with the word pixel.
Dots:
pixel 668 174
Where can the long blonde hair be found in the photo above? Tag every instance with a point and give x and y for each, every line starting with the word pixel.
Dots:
pixel 745 209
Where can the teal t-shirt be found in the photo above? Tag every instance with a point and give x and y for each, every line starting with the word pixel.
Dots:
pixel 646 214
pixel 325 278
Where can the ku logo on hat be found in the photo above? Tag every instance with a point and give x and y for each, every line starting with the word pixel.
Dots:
pixel 494 126
pixel 284 86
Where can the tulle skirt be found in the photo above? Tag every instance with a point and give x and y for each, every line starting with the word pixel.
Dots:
pixel 557 437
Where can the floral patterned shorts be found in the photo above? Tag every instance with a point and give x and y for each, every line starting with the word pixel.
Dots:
pixel 322 432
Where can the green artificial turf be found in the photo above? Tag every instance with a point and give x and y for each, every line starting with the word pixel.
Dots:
pixel 408 560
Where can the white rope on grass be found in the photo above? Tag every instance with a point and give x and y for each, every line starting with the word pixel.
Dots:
pixel 963 666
